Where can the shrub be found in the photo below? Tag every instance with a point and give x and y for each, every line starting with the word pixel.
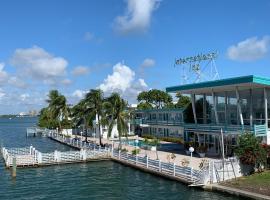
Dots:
pixel 202 149
pixel 135 151
pixel 166 139
pixel 250 151
pixel 124 150
pixel 188 144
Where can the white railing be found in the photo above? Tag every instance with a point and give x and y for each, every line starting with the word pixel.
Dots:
pixel 186 173
pixel 30 156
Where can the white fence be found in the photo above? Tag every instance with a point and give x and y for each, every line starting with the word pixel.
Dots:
pixel 211 173
pixel 214 171
pixel 220 170
pixel 185 173
pixel 30 156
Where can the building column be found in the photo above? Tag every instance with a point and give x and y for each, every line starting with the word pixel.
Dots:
pixel 226 108
pixel 215 106
pixel 193 107
pixel 266 116
pixel 204 109
pixel 251 109
pixel 239 107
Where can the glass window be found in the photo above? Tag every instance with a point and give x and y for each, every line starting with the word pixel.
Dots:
pixel 245 105
pixel 232 108
pixel 258 106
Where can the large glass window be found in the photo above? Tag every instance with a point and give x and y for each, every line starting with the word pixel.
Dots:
pixel 220 101
pixel 258 106
pixel 199 108
pixel 232 108
pixel 209 105
pixel 245 105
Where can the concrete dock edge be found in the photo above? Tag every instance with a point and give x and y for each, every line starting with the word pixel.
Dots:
pixel 236 192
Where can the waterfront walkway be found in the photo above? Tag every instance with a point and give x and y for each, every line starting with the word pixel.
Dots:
pixel 211 172
pixel 29 157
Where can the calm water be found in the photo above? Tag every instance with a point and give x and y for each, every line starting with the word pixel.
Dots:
pixel 96 180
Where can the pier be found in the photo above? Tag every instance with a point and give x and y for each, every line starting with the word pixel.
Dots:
pixel 87 152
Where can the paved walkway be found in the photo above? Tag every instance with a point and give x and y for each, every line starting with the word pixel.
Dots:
pixel 237 192
pixel 162 155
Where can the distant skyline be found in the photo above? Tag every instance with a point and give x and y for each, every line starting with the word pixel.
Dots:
pixel 122 45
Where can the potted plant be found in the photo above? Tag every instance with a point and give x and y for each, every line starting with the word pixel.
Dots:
pixel 201 150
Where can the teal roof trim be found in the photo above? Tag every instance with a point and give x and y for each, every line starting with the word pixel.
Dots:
pixel 222 82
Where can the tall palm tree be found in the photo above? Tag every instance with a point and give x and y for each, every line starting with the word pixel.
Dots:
pixel 94 101
pixel 117 115
pixel 83 116
pixel 58 107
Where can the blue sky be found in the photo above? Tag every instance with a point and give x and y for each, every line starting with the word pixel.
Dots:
pixel 122 45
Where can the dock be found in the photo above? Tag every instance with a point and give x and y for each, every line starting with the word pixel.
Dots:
pixel 87 152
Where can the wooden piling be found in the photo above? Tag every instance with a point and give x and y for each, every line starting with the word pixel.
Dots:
pixel 14 167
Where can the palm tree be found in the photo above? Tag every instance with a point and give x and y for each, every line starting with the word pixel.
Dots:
pixel 58 107
pixel 94 102
pixel 116 114
pixel 83 116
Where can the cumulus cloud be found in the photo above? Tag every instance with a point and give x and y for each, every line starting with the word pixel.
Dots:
pixel 137 17
pixel 3 74
pixel 66 81
pixel 79 94
pixel 249 49
pixel 122 80
pixel 17 82
pixel 148 62
pixel 24 96
pixel 2 93
pixel 39 64
pixel 80 70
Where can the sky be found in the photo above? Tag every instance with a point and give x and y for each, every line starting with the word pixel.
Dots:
pixel 124 46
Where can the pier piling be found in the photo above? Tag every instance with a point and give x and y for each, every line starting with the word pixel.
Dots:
pixel 14 167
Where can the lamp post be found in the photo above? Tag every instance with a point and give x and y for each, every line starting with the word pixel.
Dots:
pixel 136 143
pixel 191 150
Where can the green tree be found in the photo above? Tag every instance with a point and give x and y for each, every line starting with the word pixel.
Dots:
pixel 144 106
pixel 58 108
pixel 46 120
pixel 183 101
pixel 94 101
pixel 156 98
pixel 117 114
pixel 188 112
pixel 83 116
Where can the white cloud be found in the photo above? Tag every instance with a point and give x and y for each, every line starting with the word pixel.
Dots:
pixel 39 64
pixel 137 17
pixel 66 81
pixel 122 80
pixel 148 62
pixel 249 49
pixel 2 93
pixel 79 94
pixel 17 82
pixel 24 97
pixel 80 70
pixel 3 74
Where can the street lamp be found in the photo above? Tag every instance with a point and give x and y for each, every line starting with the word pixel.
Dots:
pixel 191 150
pixel 136 143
